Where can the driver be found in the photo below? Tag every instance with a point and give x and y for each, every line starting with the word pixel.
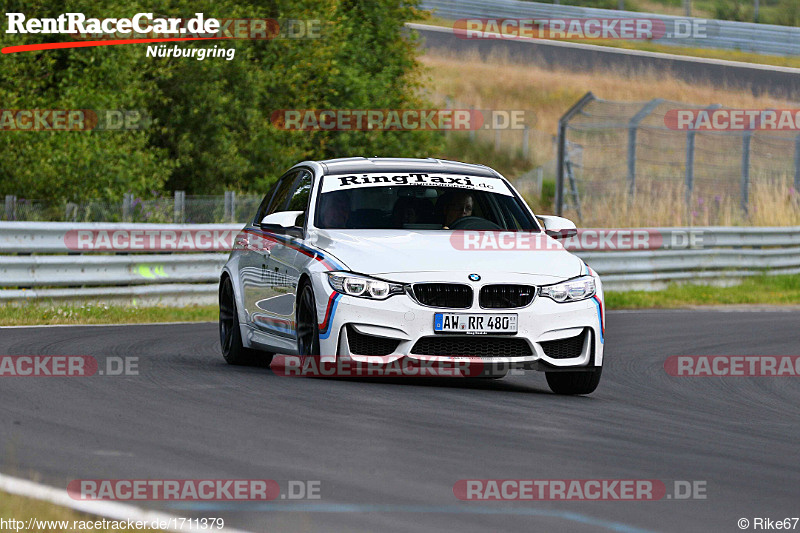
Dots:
pixel 456 204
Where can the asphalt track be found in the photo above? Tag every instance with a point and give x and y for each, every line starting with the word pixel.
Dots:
pixel 387 454
pixel 780 82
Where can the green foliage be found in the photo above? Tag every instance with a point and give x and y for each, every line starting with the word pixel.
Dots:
pixel 211 127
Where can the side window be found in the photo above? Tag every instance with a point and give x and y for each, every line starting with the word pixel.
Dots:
pixel 299 199
pixel 285 187
pixel 262 207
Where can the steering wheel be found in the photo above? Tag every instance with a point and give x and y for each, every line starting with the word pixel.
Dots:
pixel 474 223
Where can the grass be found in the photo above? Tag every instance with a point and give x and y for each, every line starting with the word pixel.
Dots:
pixel 756 290
pixel 763 290
pixel 51 313
pixel 22 509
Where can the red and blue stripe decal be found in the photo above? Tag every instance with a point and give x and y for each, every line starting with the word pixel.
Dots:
pixel 327 323
pixel 306 250
pixel 601 317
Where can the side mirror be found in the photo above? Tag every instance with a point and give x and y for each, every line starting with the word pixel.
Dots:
pixel 558 227
pixel 283 223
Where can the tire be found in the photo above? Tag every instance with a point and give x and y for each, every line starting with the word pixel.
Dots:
pixel 230 335
pixel 307 324
pixel 574 382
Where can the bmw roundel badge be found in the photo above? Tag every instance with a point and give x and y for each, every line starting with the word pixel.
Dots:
pixel 474 277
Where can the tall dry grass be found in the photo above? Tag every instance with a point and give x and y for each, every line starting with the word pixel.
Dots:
pixel 657 204
pixel 497 83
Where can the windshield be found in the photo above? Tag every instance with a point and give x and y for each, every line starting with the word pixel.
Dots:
pixel 421 202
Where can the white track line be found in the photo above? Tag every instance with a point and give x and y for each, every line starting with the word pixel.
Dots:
pixel 112 510
pixel 106 325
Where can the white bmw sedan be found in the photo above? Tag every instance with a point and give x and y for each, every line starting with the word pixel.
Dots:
pixel 380 260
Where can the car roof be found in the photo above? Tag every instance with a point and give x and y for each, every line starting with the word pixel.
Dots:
pixel 351 165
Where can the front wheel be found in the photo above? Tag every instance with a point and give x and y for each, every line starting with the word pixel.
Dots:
pixel 230 334
pixel 574 382
pixel 307 325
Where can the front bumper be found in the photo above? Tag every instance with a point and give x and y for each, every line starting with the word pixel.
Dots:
pixel 402 320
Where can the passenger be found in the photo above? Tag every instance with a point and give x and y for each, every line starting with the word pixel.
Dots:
pixel 335 210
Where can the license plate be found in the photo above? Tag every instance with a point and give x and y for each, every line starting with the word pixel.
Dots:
pixel 474 324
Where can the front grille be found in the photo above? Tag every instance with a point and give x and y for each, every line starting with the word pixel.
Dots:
pixel 564 348
pixel 506 296
pixel 361 344
pixel 472 347
pixel 450 295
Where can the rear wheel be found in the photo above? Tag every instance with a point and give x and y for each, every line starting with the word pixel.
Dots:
pixel 307 325
pixel 574 382
pixel 230 335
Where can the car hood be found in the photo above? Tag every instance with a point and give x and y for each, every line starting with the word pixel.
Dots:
pixel 379 252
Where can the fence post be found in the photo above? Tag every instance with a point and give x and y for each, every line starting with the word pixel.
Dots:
pixel 179 209
pixel 230 206
pixel 71 212
pixel 11 207
pixel 448 104
pixel 127 207
pixel 797 164
pixel 690 134
pixel 471 117
pixel 633 127
pixel 562 148
pixel 689 169
pixel 525 142
pixel 745 186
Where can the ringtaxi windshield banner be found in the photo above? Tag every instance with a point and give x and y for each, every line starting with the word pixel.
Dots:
pixel 477 183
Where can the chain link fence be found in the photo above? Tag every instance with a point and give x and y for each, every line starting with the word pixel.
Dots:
pixel 626 163
pixel 180 208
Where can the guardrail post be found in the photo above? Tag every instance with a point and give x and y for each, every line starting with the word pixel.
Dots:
pixel 745 186
pixel 563 122
pixel 633 127
pixel 11 207
pixel 179 210
pixel 230 206
pixel 127 207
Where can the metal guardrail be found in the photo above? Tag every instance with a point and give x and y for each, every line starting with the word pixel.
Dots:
pixel 724 255
pixel 721 34
pixel 58 237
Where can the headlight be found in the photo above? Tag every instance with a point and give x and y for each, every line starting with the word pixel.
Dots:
pixel 363 286
pixel 570 291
